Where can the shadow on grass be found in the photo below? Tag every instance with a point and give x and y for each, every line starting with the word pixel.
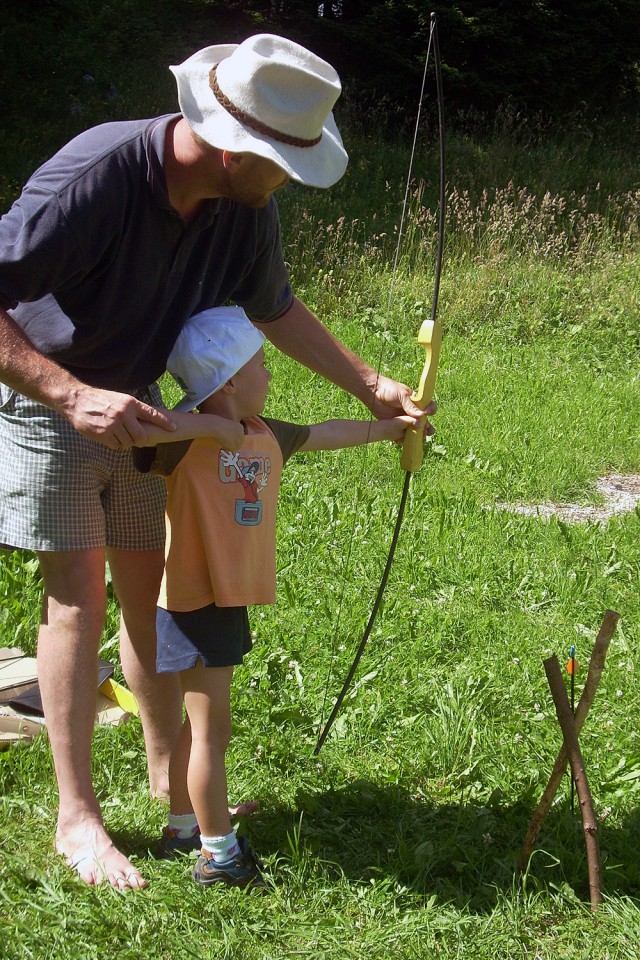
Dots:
pixel 462 852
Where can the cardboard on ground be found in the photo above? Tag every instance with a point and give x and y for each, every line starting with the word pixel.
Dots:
pixel 114 703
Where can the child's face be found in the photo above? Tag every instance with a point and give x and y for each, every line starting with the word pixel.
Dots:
pixel 252 385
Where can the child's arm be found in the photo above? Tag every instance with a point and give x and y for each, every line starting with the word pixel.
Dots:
pixel 228 433
pixel 337 434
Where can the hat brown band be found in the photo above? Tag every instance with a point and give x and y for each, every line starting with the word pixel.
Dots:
pixel 250 121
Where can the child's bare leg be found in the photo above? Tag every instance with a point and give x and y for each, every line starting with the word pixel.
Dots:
pixel 224 857
pixel 178 771
pixel 206 692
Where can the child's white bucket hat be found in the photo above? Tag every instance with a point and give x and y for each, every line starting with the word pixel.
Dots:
pixel 211 347
pixel 268 96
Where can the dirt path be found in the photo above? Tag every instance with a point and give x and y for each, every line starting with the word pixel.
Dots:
pixel 621 494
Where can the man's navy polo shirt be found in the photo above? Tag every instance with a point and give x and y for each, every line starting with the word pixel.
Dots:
pixel 101 272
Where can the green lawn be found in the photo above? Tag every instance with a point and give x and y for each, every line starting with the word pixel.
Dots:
pixel 401 839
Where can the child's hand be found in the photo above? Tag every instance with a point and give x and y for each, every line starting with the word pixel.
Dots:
pixel 396 427
pixel 230 435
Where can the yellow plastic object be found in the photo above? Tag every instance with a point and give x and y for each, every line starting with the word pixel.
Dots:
pixel 429 337
pixel 120 695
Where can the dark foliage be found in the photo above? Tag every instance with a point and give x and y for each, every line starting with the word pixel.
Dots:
pixel 548 57
pixel 81 61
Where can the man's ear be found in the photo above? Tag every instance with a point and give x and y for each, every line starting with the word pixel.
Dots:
pixel 228 387
pixel 232 161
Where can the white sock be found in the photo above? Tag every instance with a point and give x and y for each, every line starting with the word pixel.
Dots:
pixel 222 848
pixel 185 824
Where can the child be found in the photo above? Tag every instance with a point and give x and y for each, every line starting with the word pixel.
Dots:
pixel 222 491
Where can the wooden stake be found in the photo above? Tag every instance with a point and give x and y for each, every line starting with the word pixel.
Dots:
pixel 596 666
pixel 567 723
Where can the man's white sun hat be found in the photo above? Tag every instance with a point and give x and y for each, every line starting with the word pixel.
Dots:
pixel 211 347
pixel 267 96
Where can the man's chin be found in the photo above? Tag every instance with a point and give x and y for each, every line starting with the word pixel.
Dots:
pixel 258 204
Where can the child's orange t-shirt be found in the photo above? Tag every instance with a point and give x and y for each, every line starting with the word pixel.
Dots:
pixel 221 520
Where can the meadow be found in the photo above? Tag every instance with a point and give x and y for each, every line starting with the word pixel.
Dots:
pixel 401 839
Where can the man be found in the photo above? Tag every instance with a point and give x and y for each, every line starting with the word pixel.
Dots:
pixel 119 238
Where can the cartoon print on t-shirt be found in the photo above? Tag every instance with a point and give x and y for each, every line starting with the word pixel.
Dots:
pixel 249 509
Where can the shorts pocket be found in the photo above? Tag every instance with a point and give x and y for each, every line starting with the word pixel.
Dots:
pixel 7 398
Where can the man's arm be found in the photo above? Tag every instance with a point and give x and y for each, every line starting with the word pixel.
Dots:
pixel 113 419
pixel 300 335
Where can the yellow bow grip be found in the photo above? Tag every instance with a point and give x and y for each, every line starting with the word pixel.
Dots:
pixel 429 337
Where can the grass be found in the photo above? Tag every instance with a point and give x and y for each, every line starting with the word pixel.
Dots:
pixel 401 838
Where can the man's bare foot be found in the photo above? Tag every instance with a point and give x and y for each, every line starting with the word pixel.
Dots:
pixel 159 793
pixel 244 809
pixel 159 783
pixel 89 851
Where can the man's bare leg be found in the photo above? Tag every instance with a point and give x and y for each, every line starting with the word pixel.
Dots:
pixel 245 809
pixel 68 642
pixel 136 579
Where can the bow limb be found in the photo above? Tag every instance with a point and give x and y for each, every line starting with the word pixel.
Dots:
pixel 430 333
pixel 429 336
pixel 372 617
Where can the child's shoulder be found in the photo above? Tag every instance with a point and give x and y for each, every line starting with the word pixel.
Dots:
pixel 290 436
pixel 161 460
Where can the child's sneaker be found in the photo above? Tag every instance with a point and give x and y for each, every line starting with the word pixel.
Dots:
pixel 243 870
pixel 172 844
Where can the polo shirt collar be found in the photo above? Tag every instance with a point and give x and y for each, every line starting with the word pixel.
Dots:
pixel 154 141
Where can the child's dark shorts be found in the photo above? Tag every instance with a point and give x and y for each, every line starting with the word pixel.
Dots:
pixel 217 636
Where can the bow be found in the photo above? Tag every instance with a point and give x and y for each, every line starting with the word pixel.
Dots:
pixel 430 337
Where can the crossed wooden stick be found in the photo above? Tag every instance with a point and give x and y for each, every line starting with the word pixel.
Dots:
pixel 571 724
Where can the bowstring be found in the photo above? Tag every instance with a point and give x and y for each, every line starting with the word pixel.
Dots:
pixel 390 298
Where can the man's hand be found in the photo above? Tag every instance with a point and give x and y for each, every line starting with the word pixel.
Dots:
pixel 112 418
pixel 391 399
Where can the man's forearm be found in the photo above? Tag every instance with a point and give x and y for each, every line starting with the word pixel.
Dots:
pixel 300 335
pixel 25 369
pixel 107 416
